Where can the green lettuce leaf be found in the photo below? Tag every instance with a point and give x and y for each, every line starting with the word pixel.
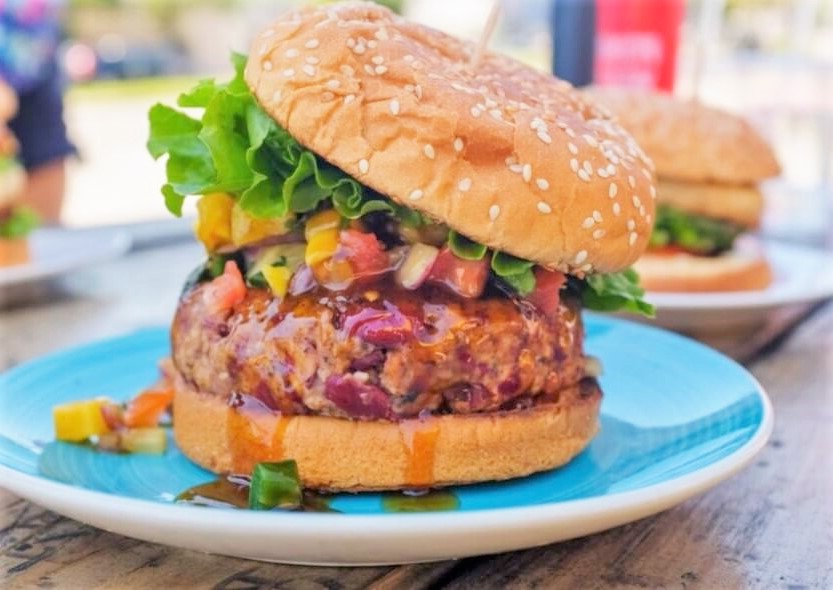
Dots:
pixel 618 291
pixel 693 233
pixel 464 248
pixel 19 223
pixel 236 148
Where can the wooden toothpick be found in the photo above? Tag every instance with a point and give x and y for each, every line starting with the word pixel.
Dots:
pixel 486 35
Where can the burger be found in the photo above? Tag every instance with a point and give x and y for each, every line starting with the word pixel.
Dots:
pixel 16 222
pixel 709 164
pixel 399 246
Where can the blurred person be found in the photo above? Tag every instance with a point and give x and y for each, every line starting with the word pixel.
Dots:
pixel 29 35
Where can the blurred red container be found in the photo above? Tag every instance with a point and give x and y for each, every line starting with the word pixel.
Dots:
pixel 636 42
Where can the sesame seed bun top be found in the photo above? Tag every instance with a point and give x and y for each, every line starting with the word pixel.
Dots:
pixel 508 156
pixel 689 141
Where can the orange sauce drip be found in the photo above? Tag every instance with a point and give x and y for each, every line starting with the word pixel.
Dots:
pixel 423 443
pixel 277 453
pixel 254 436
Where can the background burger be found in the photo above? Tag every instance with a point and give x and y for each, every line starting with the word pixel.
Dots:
pixel 399 246
pixel 709 164
pixel 16 222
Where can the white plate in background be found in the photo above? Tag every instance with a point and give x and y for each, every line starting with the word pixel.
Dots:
pixel 802 275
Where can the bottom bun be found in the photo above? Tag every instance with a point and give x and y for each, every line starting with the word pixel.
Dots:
pixel 733 271
pixel 14 251
pixel 341 454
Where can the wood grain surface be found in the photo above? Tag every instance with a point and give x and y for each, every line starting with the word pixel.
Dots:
pixel 771 526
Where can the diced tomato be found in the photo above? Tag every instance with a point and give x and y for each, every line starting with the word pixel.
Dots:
pixel 147 408
pixel 546 295
pixel 227 290
pixel 467 278
pixel 364 252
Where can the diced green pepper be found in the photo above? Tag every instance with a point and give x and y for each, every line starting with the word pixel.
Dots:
pixel 275 485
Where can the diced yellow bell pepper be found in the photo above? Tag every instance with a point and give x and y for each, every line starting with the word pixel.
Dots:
pixel 213 227
pixel 277 278
pixel 247 230
pixel 78 421
pixel 323 221
pixel 321 246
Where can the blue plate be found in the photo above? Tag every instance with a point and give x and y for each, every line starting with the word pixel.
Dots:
pixel 677 418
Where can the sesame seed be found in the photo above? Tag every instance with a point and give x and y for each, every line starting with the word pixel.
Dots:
pixel 636 201
pixel 494 211
pixel 581 256
pixel 632 238
pixel 527 172
pixel 373 44
pixel 351 43
pixel 416 195
pixel 598 234
pixel 584 176
pixel 369 69
pixel 311 44
pixel 394 107
pixel 617 209
pixel 569 132
pixel 648 218
pixel 276 96
pixel 311 59
pixel 347 70
pixel 309 70
pixel 574 165
pixel 544 207
pixel 381 70
pixel 333 84
pixel 364 166
pixel 611 169
pixel 475 111
pixel 542 183
pixel 291 52
pixel 418 91
pixel 458 144
pixel 646 174
pixel 288 73
pixel 612 190
pixel 464 185
pixel 377 59
pixel 516 168
pixel 429 152
pixel 642 211
pixel 631 181
pixel 588 223
pixel 597 215
pixel 349 98
pixel 652 189
pixel 631 225
pixel 264 49
pixel 591 141
pixel 573 148
pixel 602 173
pixel 585 268
pixel 267 65
pixel 496 114
pixel 545 137
pixel 359 49
pixel 588 167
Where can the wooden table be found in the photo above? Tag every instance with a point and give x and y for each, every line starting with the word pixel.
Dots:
pixel 769 527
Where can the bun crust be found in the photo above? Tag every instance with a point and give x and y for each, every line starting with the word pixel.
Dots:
pixel 733 271
pixel 339 454
pixel 743 205
pixel 689 141
pixel 504 154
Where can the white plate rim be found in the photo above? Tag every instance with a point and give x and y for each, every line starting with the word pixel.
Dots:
pixel 114 244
